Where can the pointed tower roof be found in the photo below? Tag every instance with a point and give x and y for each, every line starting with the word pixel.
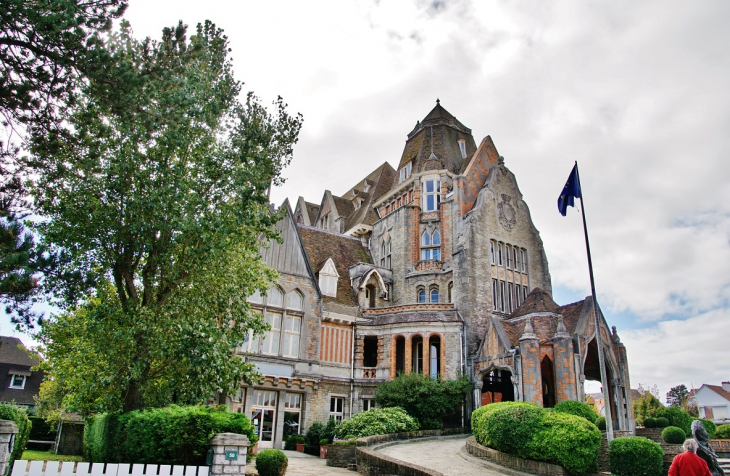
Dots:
pixel 536 302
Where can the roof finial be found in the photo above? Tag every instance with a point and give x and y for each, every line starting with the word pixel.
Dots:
pixel 438 101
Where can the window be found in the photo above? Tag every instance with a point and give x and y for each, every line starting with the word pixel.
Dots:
pixel 500 248
pixel 270 343
pixel 400 355
pixel 510 293
pixel 250 342
pixel 417 355
pixel 434 354
pixel 386 249
pixel 328 278
pixel 518 297
pixel 294 301
pixel 370 351
pixel 421 295
pixel 256 297
pixel 509 256
pixel 292 329
pixel 368 404
pixel 515 252
pixel 262 414
pixel 337 408
pixel 292 413
pixel 17 381
pixel 431 245
pixel 451 292
pixel 405 171
pixel 524 260
pixel 275 297
pixel 524 293
pixel 501 296
pixel 462 148
pixel 434 295
pixel 431 195
pixel 370 295
pixel 495 301
pixel 492 253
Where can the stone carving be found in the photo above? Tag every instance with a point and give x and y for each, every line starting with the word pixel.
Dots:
pixel 507 215
pixel 705 451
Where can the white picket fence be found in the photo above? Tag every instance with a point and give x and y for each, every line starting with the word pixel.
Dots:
pixel 57 468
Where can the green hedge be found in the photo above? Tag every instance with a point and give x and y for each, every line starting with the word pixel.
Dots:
pixel 18 415
pixel 723 432
pixel 676 417
pixel 170 435
pixel 673 435
pixel 649 422
pixel 532 432
pixel 662 422
pixel 635 456
pixel 601 423
pixel 578 409
pixel 271 463
pixel 377 421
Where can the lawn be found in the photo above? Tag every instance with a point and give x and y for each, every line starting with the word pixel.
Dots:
pixel 48 456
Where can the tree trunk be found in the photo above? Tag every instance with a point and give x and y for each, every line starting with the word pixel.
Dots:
pixel 133 397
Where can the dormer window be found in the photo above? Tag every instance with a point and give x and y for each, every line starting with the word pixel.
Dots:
pixel 405 171
pixel 17 381
pixel 462 148
pixel 328 279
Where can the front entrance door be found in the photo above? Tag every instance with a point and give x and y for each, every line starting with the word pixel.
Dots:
pixel 263 416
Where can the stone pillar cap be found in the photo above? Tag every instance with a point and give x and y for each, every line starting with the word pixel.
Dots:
pixel 8 426
pixel 229 439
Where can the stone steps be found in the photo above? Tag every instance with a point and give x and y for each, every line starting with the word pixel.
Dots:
pixel 724 464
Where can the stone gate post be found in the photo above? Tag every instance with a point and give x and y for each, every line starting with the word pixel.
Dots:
pixel 229 454
pixel 8 431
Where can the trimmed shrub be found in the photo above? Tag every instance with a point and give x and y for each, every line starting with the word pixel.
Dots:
pixel 710 427
pixel 677 417
pixel 662 422
pixel 317 432
pixel 650 422
pixel 723 432
pixel 601 423
pixel 578 409
pixel 18 415
pixel 378 421
pixel 290 443
pixel 271 463
pixel 427 400
pixel 532 432
pixel 170 435
pixel 635 456
pixel 673 435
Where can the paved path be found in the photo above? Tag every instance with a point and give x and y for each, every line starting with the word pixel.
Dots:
pixel 446 455
pixel 301 464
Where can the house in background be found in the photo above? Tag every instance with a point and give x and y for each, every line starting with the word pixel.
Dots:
pixel 713 402
pixel 18 383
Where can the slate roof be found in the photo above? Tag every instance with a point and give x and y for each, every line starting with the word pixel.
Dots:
pixel 720 391
pixel 449 315
pixel 381 180
pixel 345 251
pixel 345 208
pixel 438 133
pixel 14 360
pixel 544 326
pixel 312 210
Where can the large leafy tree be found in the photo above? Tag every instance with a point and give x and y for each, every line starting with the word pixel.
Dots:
pixel 46 47
pixel 158 204
pixel 677 396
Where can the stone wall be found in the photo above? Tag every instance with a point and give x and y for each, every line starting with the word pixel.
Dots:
pixel 341 456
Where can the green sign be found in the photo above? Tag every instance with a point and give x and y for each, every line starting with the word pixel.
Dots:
pixel 232 455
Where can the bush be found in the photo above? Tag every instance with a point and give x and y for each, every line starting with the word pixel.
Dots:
pixel 723 432
pixel 290 444
pixel 425 399
pixel 324 442
pixel 271 463
pixel 317 432
pixel 673 435
pixel 635 456
pixel 601 423
pixel 18 415
pixel 676 417
pixel 662 422
pixel 578 409
pixel 169 435
pixel 532 432
pixel 710 427
pixel 650 422
pixel 378 421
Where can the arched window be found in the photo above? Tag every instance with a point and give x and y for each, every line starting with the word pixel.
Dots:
pixel 434 295
pixel 434 355
pixel 436 238
pixel 389 249
pixel 431 245
pixel 451 292
pixel 421 295
pixel 417 355
pixel 425 239
pixel 275 297
pixel 294 300
pixel 400 355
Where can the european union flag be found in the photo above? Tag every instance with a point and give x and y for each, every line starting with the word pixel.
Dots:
pixel 570 192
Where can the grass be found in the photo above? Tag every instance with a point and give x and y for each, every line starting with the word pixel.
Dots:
pixel 48 456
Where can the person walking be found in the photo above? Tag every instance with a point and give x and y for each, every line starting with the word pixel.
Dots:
pixel 688 463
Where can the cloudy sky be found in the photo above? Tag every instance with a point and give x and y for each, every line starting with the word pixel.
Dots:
pixel 636 92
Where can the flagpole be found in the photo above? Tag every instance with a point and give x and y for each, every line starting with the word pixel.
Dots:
pixel 601 361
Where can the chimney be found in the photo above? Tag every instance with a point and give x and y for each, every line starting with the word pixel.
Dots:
pixel 726 386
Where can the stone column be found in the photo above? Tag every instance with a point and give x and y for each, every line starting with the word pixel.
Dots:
pixel 564 369
pixel 279 423
pixel 8 430
pixel 229 454
pixel 531 373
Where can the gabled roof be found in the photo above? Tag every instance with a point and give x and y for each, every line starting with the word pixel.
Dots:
pixel 545 321
pixel 720 391
pixel 345 251
pixel 10 353
pixel 312 210
pixel 380 181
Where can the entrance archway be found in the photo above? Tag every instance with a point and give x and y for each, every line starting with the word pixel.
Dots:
pixel 592 372
pixel 548 382
pixel 497 387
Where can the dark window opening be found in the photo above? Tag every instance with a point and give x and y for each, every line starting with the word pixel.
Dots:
pixel 370 292
pixel 417 355
pixel 400 355
pixel 370 351
pixel 548 382
pixel 498 387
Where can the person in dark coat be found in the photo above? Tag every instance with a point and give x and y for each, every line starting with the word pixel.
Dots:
pixel 688 463
pixel 704 450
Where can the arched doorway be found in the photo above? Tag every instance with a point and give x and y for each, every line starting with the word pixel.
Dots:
pixel 497 387
pixel 548 382
pixel 592 372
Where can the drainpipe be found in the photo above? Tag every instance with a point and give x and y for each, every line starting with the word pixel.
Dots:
pixel 352 363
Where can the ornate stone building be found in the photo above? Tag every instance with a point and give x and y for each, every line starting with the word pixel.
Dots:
pixel 434 267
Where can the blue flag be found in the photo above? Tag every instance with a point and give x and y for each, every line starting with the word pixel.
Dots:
pixel 570 192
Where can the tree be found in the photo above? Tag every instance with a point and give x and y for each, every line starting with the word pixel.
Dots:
pixel 159 204
pixel 425 399
pixel 677 396
pixel 45 48
pixel 646 405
